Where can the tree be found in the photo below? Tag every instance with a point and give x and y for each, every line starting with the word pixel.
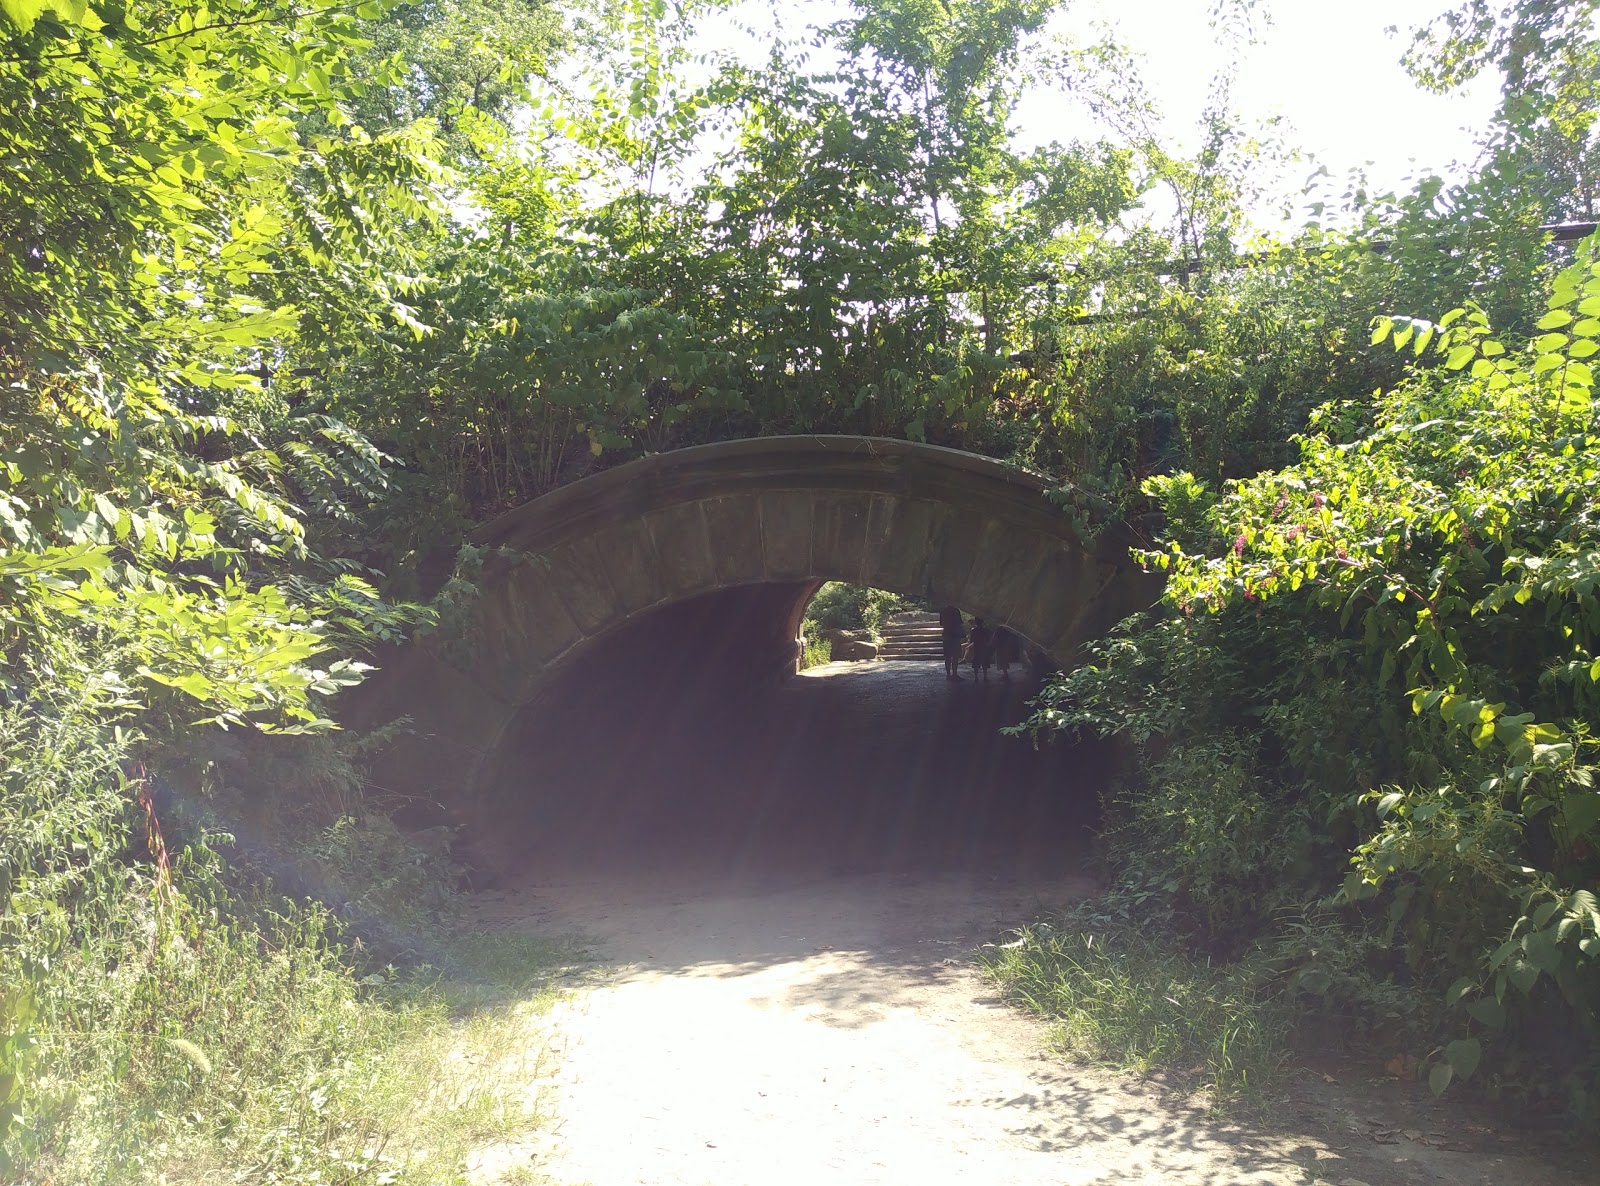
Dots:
pixel 1547 53
pixel 457 64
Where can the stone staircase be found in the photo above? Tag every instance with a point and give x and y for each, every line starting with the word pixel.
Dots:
pixel 911 637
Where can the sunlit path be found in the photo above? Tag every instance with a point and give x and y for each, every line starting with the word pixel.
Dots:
pixel 787 1031
pixel 785 899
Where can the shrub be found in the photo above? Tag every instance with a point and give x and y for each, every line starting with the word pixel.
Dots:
pixel 1120 995
pixel 841 606
pixel 1375 682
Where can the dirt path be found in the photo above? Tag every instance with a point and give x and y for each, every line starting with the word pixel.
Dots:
pixel 784 894
pixel 779 1030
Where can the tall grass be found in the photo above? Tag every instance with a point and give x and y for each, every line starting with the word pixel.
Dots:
pixel 177 1023
pixel 226 1053
pixel 1131 1000
pixel 220 1052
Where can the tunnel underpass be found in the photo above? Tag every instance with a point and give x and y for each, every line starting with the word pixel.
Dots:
pixel 671 746
pixel 626 688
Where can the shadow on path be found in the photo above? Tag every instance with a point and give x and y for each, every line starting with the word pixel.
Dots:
pixel 851 768
pixel 788 890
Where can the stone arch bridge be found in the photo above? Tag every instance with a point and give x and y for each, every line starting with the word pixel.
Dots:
pixel 747 530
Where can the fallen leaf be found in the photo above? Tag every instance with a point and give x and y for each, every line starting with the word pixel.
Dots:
pixel 1401 1066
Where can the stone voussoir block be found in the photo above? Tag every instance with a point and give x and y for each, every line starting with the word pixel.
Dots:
pixel 683 551
pixel 954 553
pixel 579 579
pixel 546 627
pixel 733 528
pixel 786 522
pixel 628 555
pixel 901 563
pixel 1006 569
pixel 839 535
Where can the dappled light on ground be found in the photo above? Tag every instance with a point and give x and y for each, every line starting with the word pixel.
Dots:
pixel 784 894
pixel 787 1029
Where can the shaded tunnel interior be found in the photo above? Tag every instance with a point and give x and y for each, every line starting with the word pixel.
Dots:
pixel 685 739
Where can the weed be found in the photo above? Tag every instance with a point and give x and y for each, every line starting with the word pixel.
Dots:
pixel 1126 999
pixel 817 650
pixel 262 1054
pixel 179 1024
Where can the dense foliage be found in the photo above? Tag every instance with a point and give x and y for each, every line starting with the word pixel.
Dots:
pixel 1379 669
pixel 1363 723
pixel 293 294
pixel 186 193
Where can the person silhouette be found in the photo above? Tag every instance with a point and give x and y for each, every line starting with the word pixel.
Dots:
pixel 1007 650
pixel 953 631
pixel 982 649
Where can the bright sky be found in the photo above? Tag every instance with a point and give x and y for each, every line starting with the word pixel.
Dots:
pixel 1329 69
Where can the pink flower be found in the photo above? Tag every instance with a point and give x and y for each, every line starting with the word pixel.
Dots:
pixel 1238 545
pixel 1317 500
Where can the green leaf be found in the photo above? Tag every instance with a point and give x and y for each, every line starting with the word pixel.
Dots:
pixel 1542 952
pixel 1488 1011
pixel 1463 1056
pixel 1439 1077
pixel 1459 357
pixel 1522 975
pixel 23 13
pixel 1555 319
pixel 1580 810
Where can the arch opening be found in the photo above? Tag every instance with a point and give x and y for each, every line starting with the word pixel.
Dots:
pixel 583 584
pixel 659 753
pixel 845 621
